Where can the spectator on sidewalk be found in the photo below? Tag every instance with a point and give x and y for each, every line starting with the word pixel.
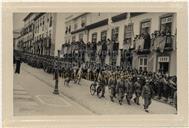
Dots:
pixel 18 65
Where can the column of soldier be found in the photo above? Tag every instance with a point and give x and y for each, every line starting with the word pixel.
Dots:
pixel 132 82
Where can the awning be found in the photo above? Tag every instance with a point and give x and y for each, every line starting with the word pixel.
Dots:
pixel 97 24
pixel 78 30
pixel 133 14
pixel 119 17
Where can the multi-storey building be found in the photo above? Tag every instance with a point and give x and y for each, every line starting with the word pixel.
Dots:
pixel 16 35
pixel 27 34
pixel 42 33
pixel 115 39
pixel 48 31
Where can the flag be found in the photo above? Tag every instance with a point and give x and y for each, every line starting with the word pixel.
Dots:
pixel 139 44
pixel 157 42
pixel 162 44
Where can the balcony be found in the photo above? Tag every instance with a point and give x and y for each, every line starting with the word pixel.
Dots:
pixel 163 43
pixel 142 46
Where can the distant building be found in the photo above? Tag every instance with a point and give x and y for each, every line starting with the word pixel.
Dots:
pixel 16 34
pixel 42 33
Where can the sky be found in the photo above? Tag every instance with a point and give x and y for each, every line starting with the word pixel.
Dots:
pixel 18 20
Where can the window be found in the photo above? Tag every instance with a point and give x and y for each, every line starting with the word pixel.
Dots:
pixel 40 21
pixel 50 24
pixel 81 37
pixel 115 34
pixel 48 18
pixel 43 27
pixel 69 29
pixel 83 21
pixel 75 26
pixel 50 33
pixel 143 63
pixel 128 31
pixel 103 35
pixel 145 26
pixel 166 24
pixel 94 37
pixel 43 20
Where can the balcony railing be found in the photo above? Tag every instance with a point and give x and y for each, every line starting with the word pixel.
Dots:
pixel 163 43
pixel 142 46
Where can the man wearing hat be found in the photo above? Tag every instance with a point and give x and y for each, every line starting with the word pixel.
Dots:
pixel 147 94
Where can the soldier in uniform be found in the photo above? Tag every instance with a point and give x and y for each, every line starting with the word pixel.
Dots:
pixel 120 89
pixel 147 94
pixel 129 90
pixel 112 87
pixel 101 83
pixel 137 89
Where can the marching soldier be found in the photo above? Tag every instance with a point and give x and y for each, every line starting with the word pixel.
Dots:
pixel 112 87
pixel 129 90
pixel 147 94
pixel 137 89
pixel 101 83
pixel 120 89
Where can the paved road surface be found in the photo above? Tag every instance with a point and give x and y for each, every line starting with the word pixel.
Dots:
pixel 33 96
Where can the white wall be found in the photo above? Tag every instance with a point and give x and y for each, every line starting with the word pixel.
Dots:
pixel 59 32
pixel 155 21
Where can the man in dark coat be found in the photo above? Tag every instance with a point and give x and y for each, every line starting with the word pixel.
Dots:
pixel 18 64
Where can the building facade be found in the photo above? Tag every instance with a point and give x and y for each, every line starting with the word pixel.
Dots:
pixel 144 41
pixel 42 33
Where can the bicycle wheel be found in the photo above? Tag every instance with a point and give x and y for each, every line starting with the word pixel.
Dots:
pixel 92 89
pixel 99 92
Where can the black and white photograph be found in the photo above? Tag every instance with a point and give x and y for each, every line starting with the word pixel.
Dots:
pixel 94 63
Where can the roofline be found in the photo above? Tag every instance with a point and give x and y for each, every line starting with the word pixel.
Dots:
pixel 76 17
pixel 38 15
pixel 27 16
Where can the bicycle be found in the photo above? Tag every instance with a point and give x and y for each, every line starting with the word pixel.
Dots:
pixel 96 88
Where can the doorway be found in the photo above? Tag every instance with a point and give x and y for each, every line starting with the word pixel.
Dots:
pixel 164 67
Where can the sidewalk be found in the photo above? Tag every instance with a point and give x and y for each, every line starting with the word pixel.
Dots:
pixel 80 94
pixel 24 103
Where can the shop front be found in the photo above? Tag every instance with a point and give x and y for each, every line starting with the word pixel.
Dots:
pixel 163 63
